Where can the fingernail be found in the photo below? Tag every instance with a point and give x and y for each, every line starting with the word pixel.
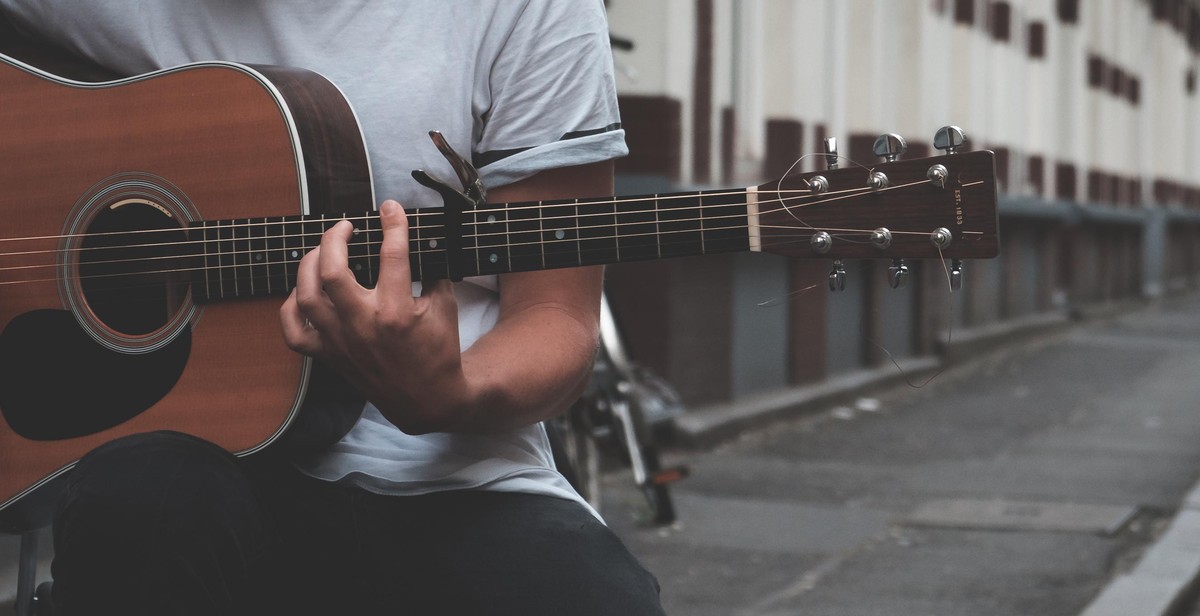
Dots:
pixel 388 208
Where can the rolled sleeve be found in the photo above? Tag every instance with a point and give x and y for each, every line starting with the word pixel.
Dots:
pixel 549 99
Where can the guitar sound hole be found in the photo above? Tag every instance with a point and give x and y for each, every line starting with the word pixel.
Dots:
pixel 133 267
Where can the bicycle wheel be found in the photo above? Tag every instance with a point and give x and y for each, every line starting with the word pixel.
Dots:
pixel 575 453
pixel 658 497
pixel 642 456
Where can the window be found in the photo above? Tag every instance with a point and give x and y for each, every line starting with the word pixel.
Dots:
pixel 1068 11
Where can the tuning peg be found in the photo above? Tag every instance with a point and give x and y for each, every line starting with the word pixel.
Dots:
pixel 949 139
pixel 831 153
pixel 890 146
pixel 837 276
pixel 956 275
pixel 898 274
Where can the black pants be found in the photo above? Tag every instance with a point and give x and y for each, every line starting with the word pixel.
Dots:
pixel 165 523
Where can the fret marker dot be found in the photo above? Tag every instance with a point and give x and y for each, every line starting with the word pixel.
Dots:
pixel 492 218
pixel 560 234
pixel 433 243
pixel 258 257
pixel 493 257
pixel 358 267
pixel 295 254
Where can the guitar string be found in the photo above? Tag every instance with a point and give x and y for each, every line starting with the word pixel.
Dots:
pixel 301 219
pixel 476 237
pixel 772 241
pixel 581 251
pixel 503 208
pixel 782 300
pixel 949 337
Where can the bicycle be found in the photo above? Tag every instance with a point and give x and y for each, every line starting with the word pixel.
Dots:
pixel 616 416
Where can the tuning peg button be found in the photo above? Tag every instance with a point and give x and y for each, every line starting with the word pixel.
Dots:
pixel 890 147
pixel 831 153
pixel 837 276
pixel 956 275
pixel 898 274
pixel 938 174
pixel 821 242
pixel 881 238
pixel 949 139
pixel 941 238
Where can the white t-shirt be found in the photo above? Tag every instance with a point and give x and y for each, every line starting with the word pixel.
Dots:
pixel 523 85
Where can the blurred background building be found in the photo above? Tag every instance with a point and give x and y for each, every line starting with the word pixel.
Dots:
pixel 1090 106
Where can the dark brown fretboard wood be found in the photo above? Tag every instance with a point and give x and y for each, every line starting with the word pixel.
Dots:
pixel 256 257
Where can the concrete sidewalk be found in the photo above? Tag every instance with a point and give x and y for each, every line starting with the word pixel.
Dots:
pixel 1055 477
pixel 1164 581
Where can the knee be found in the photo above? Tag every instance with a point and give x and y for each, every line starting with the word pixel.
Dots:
pixel 142 482
pixel 155 519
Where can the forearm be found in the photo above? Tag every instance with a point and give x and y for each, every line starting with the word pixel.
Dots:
pixel 535 362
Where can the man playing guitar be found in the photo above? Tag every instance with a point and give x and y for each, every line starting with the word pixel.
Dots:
pixel 443 497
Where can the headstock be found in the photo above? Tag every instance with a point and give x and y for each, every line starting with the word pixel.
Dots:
pixel 942 207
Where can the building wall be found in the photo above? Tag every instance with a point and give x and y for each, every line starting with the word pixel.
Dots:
pixel 1091 108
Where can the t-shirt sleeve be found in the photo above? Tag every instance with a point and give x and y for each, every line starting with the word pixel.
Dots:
pixel 548 99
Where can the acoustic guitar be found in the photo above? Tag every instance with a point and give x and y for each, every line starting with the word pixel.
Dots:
pixel 152 226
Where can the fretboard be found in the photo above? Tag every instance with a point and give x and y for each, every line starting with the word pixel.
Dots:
pixel 260 256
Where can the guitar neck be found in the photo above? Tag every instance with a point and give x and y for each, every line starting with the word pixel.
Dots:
pixel 260 256
pixel 933 208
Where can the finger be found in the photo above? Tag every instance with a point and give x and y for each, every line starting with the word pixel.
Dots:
pixel 439 294
pixel 311 301
pixel 395 274
pixel 298 332
pixel 333 267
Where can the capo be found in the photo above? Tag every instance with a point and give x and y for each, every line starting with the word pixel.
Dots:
pixel 473 196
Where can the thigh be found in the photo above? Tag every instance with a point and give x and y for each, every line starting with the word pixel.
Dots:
pixel 156 523
pixel 505 553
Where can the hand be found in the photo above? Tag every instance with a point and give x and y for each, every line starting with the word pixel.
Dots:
pixel 401 351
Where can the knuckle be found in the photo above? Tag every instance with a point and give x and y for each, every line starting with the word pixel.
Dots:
pixel 307 301
pixel 392 322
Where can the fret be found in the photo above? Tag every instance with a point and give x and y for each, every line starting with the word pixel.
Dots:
pixel 636 229
pixel 225 259
pixel 723 221
pixel 212 260
pixel 293 247
pixel 597 232
pixel 657 232
pixel 524 237
pixel 430 247
pixel 560 233
pixel 488 240
pixel 372 241
pixel 273 232
pixel 308 232
pixel 416 252
pixel 358 257
pixel 260 276
pixel 243 271
pixel 680 225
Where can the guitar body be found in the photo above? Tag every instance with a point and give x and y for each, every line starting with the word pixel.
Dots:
pixel 92 348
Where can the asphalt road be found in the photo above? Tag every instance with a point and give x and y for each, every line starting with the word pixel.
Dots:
pixel 1015 485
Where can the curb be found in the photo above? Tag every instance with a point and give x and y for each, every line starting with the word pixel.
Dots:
pixel 1166 577
pixel 710 425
